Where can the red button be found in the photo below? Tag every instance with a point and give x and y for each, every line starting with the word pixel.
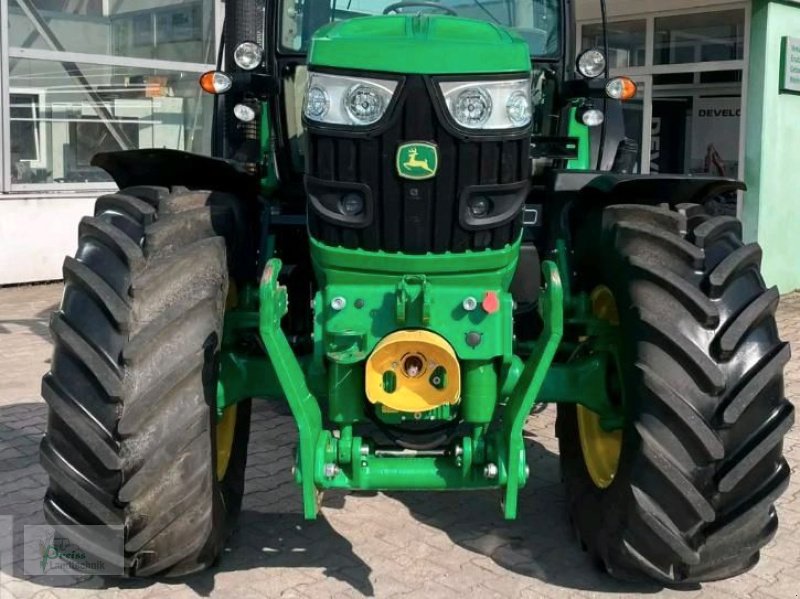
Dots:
pixel 491 303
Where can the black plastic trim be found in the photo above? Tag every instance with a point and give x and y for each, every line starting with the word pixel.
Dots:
pixel 506 202
pixel 317 189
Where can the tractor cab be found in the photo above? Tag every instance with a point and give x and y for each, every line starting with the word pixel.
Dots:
pixel 567 107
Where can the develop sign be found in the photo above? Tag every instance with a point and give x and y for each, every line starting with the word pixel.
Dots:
pixel 790 65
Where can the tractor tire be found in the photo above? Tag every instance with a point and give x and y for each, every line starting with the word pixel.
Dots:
pixel 131 432
pixel 700 462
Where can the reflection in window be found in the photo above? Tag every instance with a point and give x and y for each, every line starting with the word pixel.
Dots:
pixel 26 135
pixel 161 29
pixel 538 21
pixel 65 113
pixel 164 34
pixel 626 42
pixel 699 37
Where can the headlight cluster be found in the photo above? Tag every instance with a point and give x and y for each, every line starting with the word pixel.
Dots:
pixel 341 100
pixel 490 104
pixel 345 100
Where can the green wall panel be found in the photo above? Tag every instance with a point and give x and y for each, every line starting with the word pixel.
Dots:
pixel 771 210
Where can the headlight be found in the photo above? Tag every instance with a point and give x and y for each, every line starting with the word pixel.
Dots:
pixel 472 107
pixel 591 63
pixel 489 104
pixel 343 100
pixel 592 117
pixel 364 103
pixel 248 55
pixel 621 88
pixel 519 108
pixel 244 113
pixel 318 103
pixel 215 82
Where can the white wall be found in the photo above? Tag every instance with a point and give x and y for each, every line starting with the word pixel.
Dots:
pixel 36 234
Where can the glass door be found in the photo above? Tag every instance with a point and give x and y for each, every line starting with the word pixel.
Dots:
pixel 636 113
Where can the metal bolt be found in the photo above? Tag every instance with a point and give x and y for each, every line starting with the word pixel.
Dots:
pixel 331 470
pixel 458 450
pixel 490 471
pixel 364 450
pixel 474 338
pixel 294 469
pixel 527 471
pixel 338 303
pixel 469 303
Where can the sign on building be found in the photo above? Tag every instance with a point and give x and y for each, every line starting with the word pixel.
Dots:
pixel 790 65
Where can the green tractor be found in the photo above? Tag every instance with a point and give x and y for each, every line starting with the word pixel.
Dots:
pixel 423 221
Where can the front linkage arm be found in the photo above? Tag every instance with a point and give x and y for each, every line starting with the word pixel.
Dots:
pixel 400 473
pixel 304 405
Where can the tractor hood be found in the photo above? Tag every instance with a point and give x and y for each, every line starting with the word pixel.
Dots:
pixel 420 44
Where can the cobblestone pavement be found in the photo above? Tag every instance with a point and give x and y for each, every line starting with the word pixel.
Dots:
pixel 426 545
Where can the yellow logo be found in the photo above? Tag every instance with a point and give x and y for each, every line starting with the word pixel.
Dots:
pixel 417 160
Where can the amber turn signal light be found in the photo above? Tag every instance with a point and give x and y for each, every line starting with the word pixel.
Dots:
pixel 621 88
pixel 215 82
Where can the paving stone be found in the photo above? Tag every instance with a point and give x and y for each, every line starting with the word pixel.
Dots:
pixel 385 545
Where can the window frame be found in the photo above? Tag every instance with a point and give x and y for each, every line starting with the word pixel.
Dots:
pixel 40 134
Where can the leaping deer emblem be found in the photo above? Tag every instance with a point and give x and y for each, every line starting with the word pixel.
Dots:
pixel 413 162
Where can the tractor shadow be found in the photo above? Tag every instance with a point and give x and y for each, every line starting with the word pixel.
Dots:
pixel 273 541
pixel 39 325
pixel 539 544
pixel 271 532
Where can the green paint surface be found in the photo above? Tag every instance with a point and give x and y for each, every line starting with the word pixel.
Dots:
pixel 420 44
pixel 771 211
pixel 581 132
pixel 384 292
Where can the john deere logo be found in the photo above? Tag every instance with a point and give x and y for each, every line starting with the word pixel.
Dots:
pixel 417 160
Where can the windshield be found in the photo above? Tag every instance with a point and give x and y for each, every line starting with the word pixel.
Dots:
pixel 538 21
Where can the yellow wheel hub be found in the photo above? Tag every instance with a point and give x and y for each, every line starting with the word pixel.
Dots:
pixel 226 425
pixel 413 371
pixel 226 429
pixel 601 448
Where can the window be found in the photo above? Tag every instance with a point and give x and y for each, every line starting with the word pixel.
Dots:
pixel 626 42
pixel 102 75
pixel 102 109
pixel 538 21
pixel 689 67
pixel 699 37
pixel 27 135
pixel 179 25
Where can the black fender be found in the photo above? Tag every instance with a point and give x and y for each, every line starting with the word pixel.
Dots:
pixel 170 168
pixel 571 197
pixel 618 188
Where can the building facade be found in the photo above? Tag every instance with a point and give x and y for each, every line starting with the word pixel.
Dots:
pixel 79 77
pixel 82 76
pixel 712 101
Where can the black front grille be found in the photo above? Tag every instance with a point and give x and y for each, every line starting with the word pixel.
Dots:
pixel 408 216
